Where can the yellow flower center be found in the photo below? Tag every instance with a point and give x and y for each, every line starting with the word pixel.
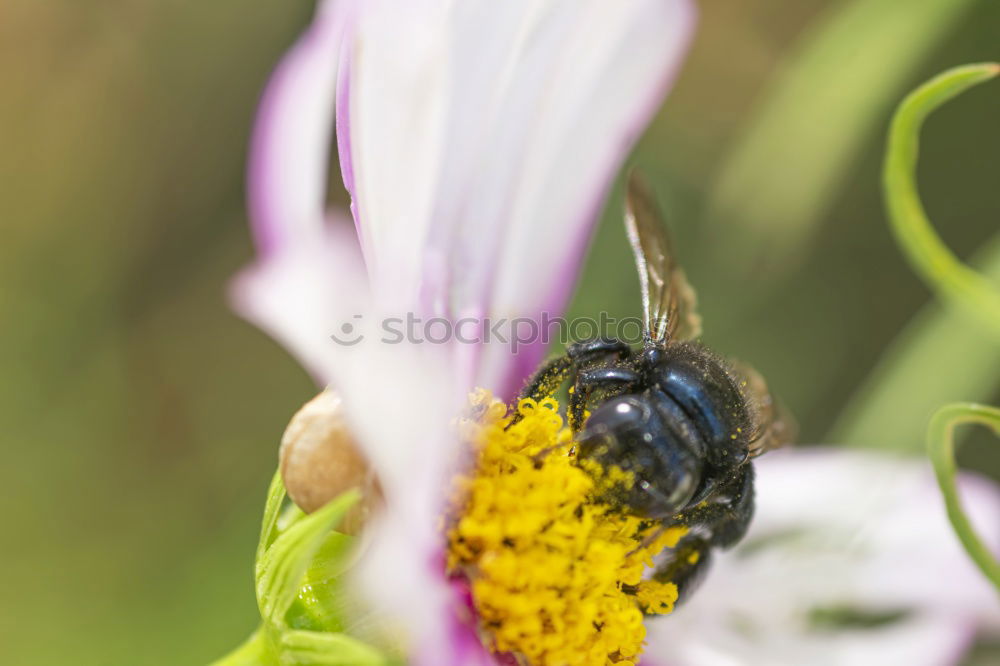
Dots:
pixel 556 573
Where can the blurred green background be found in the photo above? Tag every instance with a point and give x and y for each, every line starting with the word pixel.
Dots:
pixel 141 418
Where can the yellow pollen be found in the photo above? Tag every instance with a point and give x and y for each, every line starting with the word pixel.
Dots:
pixel 557 574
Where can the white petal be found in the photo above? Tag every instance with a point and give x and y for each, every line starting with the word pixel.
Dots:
pixel 838 528
pixel 306 290
pixel 615 68
pixel 505 123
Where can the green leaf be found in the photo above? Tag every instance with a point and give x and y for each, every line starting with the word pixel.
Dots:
pixel 320 606
pixel 831 97
pixel 953 281
pixel 281 569
pixel 308 648
pixel 272 509
pixel 941 447
pixel 254 652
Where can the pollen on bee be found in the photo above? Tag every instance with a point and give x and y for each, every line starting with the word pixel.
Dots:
pixel 557 575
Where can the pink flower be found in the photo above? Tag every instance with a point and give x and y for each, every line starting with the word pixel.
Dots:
pixel 478 140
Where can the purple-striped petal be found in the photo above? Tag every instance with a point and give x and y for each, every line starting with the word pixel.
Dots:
pixel 564 192
pixel 289 149
pixel 837 529
pixel 517 117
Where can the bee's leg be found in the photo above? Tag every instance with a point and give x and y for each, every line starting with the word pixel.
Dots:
pixel 552 374
pixel 737 510
pixel 547 379
pixel 687 565
pixel 726 517
pixel 598 349
pixel 719 523
pixel 606 382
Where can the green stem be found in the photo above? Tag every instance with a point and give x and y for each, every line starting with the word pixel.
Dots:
pixel 255 651
pixel 941 447
pixel 954 281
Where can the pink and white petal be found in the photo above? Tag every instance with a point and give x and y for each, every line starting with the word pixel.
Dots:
pixel 395 101
pixel 615 69
pixel 410 598
pixel 838 529
pixel 290 146
pixel 443 106
pixel 517 116
pixel 306 290
pixel 402 400
pixel 922 641
pixel 399 399
pixel 885 513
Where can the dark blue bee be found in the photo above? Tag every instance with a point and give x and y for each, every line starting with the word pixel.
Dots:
pixel 682 420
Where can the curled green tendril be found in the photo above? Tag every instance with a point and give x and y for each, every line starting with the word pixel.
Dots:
pixel 954 281
pixel 941 448
pixel 951 279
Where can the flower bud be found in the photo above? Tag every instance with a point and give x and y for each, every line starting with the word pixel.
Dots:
pixel 319 460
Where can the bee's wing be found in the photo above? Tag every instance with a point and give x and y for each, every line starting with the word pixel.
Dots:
pixel 775 426
pixel 668 301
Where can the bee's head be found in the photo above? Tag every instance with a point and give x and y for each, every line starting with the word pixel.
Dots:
pixel 628 434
